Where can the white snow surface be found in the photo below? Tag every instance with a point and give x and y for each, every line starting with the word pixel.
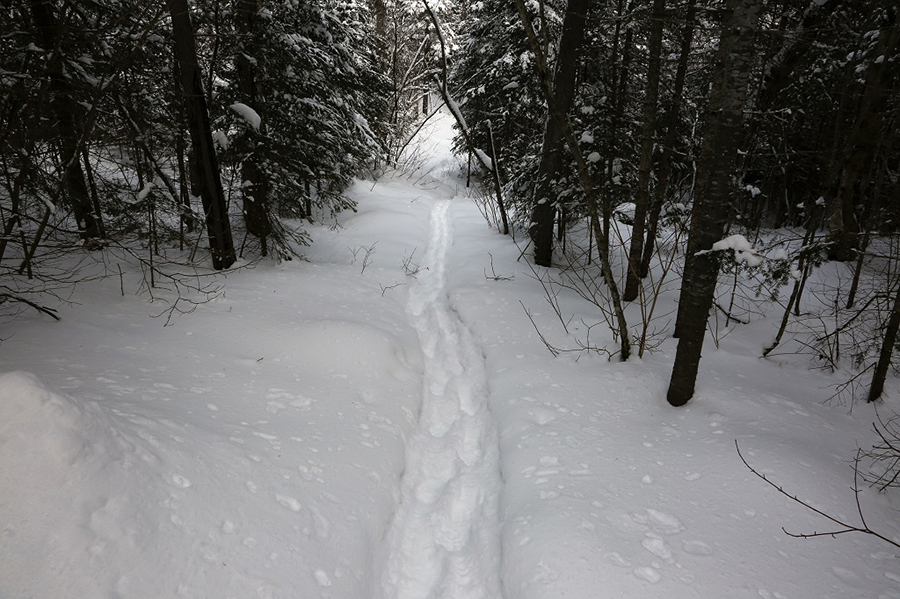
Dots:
pixel 327 430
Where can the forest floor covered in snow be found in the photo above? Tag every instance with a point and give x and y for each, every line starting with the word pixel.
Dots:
pixel 383 420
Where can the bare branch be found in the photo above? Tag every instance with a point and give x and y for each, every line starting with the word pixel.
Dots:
pixel 844 526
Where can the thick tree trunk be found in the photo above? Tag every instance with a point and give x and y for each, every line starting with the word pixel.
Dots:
pixel 642 195
pixel 711 203
pixel 204 158
pixel 254 186
pixel 552 147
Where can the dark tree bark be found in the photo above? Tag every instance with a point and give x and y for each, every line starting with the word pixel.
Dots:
pixel 779 73
pixel 552 147
pixel 495 176
pixel 254 187
pixel 562 121
pixel 714 186
pixel 665 163
pixel 618 84
pixel 642 195
pixel 887 348
pixel 63 103
pixel 205 162
pixel 861 144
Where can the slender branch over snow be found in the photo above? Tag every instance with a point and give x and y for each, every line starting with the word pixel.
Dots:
pixel 486 162
pixel 844 526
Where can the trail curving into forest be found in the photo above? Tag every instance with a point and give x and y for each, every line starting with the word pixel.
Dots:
pixel 444 541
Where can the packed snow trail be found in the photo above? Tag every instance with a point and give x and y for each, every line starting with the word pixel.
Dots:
pixel 444 541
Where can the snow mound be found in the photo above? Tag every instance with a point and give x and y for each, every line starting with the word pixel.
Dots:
pixel 51 447
pixel 39 425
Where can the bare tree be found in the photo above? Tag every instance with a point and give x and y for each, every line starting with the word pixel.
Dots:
pixel 671 127
pixel 843 527
pixel 584 176
pixel 642 195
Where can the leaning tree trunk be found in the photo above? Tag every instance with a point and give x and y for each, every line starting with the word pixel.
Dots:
pixel 711 204
pixel 552 147
pixel 218 228
pixel 488 164
pixel 642 196
pixel 254 187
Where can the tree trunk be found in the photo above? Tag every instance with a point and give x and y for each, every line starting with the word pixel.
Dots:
pixel 552 147
pixel 498 188
pixel 63 103
pixel 861 145
pixel 887 348
pixel 665 164
pixel 584 176
pixel 218 228
pixel 711 203
pixel 642 195
pixel 254 186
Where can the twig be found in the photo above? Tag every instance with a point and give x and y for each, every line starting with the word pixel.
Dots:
pixel 729 315
pixel 553 350
pixel 18 298
pixel 494 276
pixel 844 526
pixel 385 288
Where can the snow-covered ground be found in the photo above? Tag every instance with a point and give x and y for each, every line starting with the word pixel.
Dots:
pixel 392 426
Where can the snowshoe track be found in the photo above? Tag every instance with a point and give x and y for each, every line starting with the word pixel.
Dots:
pixel 444 541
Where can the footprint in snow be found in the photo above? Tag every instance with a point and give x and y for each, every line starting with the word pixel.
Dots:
pixel 542 416
pixel 658 547
pixel 696 548
pixel 649 574
pixel 180 481
pixel 322 578
pixel 616 559
pixel 273 407
pixel 288 502
pixel 663 523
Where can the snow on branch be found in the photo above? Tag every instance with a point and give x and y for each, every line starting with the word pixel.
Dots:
pixel 743 250
pixel 248 114
pixel 482 156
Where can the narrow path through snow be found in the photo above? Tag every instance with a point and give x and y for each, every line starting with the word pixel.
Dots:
pixel 444 541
